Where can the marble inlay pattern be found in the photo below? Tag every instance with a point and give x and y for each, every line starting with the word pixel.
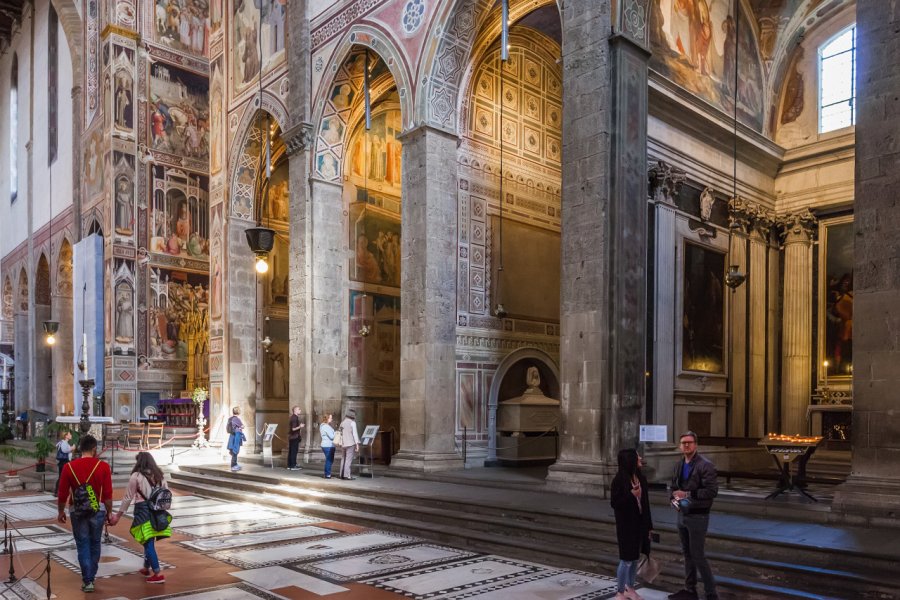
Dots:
pixel 335 546
pixel 559 585
pixel 273 578
pixel 238 591
pixel 238 527
pixel 440 580
pixel 375 564
pixel 26 499
pixel 116 560
pixel 253 539
pixel 33 511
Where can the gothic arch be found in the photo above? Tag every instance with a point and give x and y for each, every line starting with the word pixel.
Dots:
pixel 22 298
pixel 244 161
pixel 8 300
pixel 64 269
pixel 42 282
pixel 323 110
pixel 70 19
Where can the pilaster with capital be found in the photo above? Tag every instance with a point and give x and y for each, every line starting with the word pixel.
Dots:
pixel 798 230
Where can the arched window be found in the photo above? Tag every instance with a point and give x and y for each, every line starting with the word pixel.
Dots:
pixel 14 129
pixel 837 82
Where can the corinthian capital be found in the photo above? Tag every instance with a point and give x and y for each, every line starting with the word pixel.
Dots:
pixel 665 181
pixel 298 138
pixel 800 226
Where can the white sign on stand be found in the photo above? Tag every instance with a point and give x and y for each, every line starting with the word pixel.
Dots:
pixel 268 436
pixel 368 437
pixel 654 433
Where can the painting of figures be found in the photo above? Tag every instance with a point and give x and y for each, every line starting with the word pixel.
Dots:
pixel 703 340
pixel 123 220
pixel 693 43
pixel 256 25
pixel 217 110
pixel 837 238
pixel 376 153
pixel 180 217
pixel 123 94
pixel 179 111
pixel 375 245
pixel 182 25
pixel 179 305
pixel 375 356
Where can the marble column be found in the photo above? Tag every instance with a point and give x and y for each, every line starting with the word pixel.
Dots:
pixel 604 215
pixel 873 488
pixel 665 182
pixel 760 235
pixel 737 325
pixel 63 379
pixel 798 230
pixel 428 303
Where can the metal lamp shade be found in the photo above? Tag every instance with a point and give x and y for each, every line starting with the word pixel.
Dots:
pixel 260 239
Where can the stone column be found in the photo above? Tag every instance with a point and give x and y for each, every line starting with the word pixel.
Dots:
pixel 77 126
pixel 665 182
pixel 798 230
pixel 428 303
pixel 740 216
pixel 874 484
pixel 604 215
pixel 758 273
pixel 63 380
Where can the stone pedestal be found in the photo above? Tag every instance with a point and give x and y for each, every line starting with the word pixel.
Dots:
pixel 873 487
pixel 428 298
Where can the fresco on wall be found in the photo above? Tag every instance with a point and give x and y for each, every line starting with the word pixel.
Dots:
pixel 376 153
pixel 179 303
pixel 179 111
pixel 180 216
pixel 693 43
pixel 703 340
pixel 278 207
pixel 123 187
pixel 375 244
pixel 182 25
pixel 217 121
pixel 123 94
pixel 838 240
pixel 375 357
pixel 250 23
pixel 94 165
pixel 278 276
pixel 216 266
pixel 123 308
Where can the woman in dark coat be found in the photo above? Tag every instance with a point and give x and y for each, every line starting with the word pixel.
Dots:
pixel 631 504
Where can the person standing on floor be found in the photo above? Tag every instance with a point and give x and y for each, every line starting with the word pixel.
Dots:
pixel 236 437
pixel 327 433
pixel 631 503
pixel 350 444
pixel 146 476
pixel 294 437
pixel 63 456
pixel 86 486
pixel 694 485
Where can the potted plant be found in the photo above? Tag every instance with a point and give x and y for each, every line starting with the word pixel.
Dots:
pixel 11 453
pixel 42 449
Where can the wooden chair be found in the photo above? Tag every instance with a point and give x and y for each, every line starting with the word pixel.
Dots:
pixel 135 435
pixel 154 435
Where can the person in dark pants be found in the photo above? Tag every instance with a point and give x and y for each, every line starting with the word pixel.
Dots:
pixel 630 501
pixel 235 430
pixel 694 485
pixel 327 433
pixel 294 438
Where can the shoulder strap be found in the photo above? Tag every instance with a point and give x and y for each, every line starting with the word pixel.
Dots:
pixel 96 464
pixel 72 469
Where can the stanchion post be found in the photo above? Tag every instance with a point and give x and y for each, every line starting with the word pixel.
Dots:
pixel 49 593
pixel 12 560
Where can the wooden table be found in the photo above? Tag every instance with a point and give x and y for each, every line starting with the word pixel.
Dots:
pixel 786 450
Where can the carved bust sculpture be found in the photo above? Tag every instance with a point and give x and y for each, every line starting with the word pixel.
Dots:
pixel 533 380
pixel 706 204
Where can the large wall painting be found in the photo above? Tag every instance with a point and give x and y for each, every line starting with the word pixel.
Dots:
pixel 182 25
pixel 248 18
pixel 375 242
pixel 703 311
pixel 123 317
pixel 179 222
pixel 123 94
pixel 836 289
pixel 374 357
pixel 375 155
pixel 123 188
pixel 693 43
pixel 178 305
pixel 179 112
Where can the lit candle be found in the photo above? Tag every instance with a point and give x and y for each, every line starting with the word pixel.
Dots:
pixel 84 353
pixel 5 376
pixel 825 365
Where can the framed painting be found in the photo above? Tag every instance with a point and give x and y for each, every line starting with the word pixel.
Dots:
pixel 836 298
pixel 702 347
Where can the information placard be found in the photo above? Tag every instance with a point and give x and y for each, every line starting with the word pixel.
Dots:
pixel 654 433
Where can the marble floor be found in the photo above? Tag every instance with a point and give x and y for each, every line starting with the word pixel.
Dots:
pixel 236 551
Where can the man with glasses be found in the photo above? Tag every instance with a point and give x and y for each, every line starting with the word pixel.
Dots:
pixel 694 486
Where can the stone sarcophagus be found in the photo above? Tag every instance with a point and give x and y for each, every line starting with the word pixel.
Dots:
pixel 527 426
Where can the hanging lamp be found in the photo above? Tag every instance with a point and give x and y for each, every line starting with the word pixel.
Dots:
pixel 499 309
pixel 51 328
pixel 734 277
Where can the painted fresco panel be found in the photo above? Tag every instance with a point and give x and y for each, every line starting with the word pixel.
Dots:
pixel 180 214
pixel 693 43
pixel 178 111
pixel 375 357
pixel 703 311
pixel 182 25
pixel 178 304
pixel 250 22
pixel 375 240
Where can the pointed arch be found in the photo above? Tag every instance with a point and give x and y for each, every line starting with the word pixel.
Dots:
pixel 42 282
pixel 8 299
pixel 64 269
pixel 247 152
pixel 22 303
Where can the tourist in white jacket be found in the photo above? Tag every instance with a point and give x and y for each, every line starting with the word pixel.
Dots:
pixel 350 443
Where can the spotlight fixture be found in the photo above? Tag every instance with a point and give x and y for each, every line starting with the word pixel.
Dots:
pixel 50 330
pixel 734 278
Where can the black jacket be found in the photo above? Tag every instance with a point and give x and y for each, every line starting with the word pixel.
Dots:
pixel 701 483
pixel 632 525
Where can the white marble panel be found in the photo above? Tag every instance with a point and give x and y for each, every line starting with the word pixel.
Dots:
pixel 259 537
pixel 114 560
pixel 546 583
pixel 235 515
pixel 334 546
pixel 237 527
pixel 33 511
pixel 41 530
pixel 379 563
pixel 45 542
pixel 239 591
pixel 273 578
pixel 26 499
pixel 24 589
pixel 439 580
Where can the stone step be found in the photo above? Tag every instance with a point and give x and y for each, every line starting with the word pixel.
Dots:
pixel 547 536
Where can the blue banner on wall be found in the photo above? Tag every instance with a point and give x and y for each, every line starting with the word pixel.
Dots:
pixel 87 318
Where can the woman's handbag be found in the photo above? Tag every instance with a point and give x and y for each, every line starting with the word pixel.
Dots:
pixel 338 438
pixel 648 568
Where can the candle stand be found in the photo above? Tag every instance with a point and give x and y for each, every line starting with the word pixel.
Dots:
pixel 85 423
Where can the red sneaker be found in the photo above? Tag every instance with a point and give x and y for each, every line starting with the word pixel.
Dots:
pixel 145 572
pixel 157 578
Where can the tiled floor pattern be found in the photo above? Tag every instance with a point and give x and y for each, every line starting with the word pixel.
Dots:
pixel 233 551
